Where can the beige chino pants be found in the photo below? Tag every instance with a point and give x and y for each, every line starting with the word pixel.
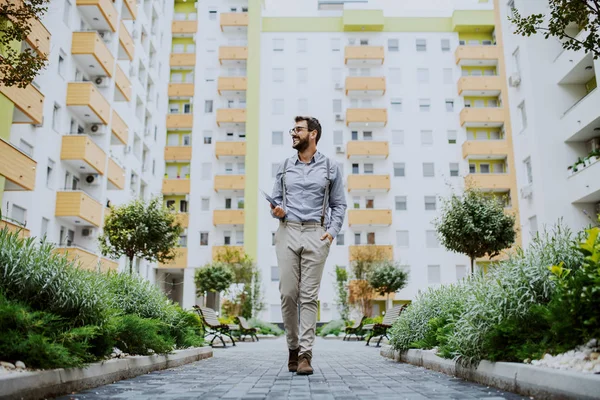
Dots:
pixel 301 256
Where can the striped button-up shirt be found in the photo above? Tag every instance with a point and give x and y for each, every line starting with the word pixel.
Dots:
pixel 305 184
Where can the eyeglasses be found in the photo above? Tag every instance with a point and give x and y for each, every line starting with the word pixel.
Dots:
pixel 296 130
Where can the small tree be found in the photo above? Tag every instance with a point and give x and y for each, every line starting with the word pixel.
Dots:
pixel 215 277
pixel 475 225
pixel 564 14
pixel 341 292
pixel 19 66
pixel 143 230
pixel 387 278
pixel 360 292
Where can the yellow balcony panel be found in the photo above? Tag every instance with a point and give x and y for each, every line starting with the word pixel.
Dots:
pixel 180 260
pixel 181 90
pixel 480 86
pixel 178 153
pixel 491 117
pixel 92 54
pixel 366 117
pixel 232 85
pixel 371 86
pixel 82 258
pixel 485 148
pixel 182 60
pixel 584 185
pixel 184 28
pixel 363 20
pixel 491 182
pixel 83 154
pixel 119 130
pixel 126 46
pixel 369 217
pixel 129 9
pixel 176 186
pixel 364 55
pixel 123 84
pixel 367 149
pixel 86 101
pixel 16 167
pixel 13 226
pixel 39 38
pixel 219 251
pixel 234 21
pixel 100 14
pixel 371 252
pixel 180 121
pixel 183 219
pixel 227 183
pixel 116 175
pixel 368 183
pixel 228 117
pixel 478 55
pixel 233 55
pixel 28 101
pixel 79 208
pixel 230 149
pixel 228 217
pixel 108 265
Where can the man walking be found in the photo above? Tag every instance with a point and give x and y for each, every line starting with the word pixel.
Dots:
pixel 307 186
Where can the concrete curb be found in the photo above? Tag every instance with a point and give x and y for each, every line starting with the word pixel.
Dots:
pixel 524 379
pixel 56 382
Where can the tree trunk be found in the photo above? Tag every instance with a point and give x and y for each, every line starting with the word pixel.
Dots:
pixel 389 304
pixel 131 265
pixel 472 262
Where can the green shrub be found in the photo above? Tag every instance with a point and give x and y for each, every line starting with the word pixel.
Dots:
pixel 334 327
pixel 187 329
pixel 137 335
pixel 373 320
pixel 265 328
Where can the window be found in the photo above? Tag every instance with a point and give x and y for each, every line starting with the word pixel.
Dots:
pixel 277 44
pixel 523 115
pixel 527 163
pixel 44 229
pixel 397 105
pixel 336 44
pixel 303 106
pixel 26 147
pixel 516 60
pixel 61 63
pixel 461 272
pixel 203 238
pixel 301 45
pixel 402 239
pixel 355 169
pixel 370 237
pixel 424 105
pixel 205 204
pixel 206 171
pixel 67 13
pixel 449 105
pixel 357 238
pixel 277 138
pixel 50 173
pixel 368 169
pixel 19 214
pixel 445 44
pixel 427 138
pixel 369 202
pixel 339 239
pixel 183 206
pixel 274 274
pixel 302 75
pixel 278 75
pixel 207 135
pixel 274 169
pixel 422 75
pixel 397 137
pixel 452 137
pixel 453 169
pixel 56 117
pixel 484 168
pixel 212 15
pixel 277 106
pixel 400 202
pixel 208 106
pixel 448 76
pixel 430 203
pixel 354 135
pixel 392 44
pixel 399 169
pixel 395 75
pixel 433 274
pixel 428 170
pixel 431 240
pixel 533 225
pixel 421 45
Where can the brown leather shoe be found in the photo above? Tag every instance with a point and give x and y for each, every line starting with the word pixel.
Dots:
pixel 293 360
pixel 304 367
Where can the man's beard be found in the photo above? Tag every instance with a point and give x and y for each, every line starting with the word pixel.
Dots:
pixel 301 145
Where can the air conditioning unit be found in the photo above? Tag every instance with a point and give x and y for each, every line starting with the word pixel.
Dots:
pixel 101 81
pixel 97 129
pixel 339 149
pixel 462 42
pixel 514 80
pixel 106 36
pixel 325 306
pixel 339 117
pixel 88 232
pixel 92 180
pixel 338 86
pixel 526 191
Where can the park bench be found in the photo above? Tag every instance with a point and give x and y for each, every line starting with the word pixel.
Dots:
pixel 381 329
pixel 246 329
pixel 355 329
pixel 212 326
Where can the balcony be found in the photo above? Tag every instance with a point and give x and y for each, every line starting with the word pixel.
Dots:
pixel 369 217
pixel 129 9
pixel 233 55
pixel 39 38
pixel 108 265
pixel 184 28
pixel 180 260
pixel 229 117
pixel 79 208
pixel 234 22
pixel 116 175
pixel 485 148
pixel 81 153
pixel 367 149
pixel 480 86
pixel 369 86
pixel 219 251
pixel 579 122
pixel 230 183
pixel 14 226
pixel 180 60
pixel 101 15
pixel 178 153
pixel 126 46
pixel 584 186
pixel 476 55
pixel 366 117
pixel 180 121
pixel 569 65
pixel 123 84
pixel 364 55
pixel 175 186
pixel 82 258
pixel 232 85
pixel 482 117
pixel 228 217
pixel 183 219
pixel 29 104
pixel 230 149
pixel 368 183
pixel 85 101
pixel 16 167
pixel 491 182
pixel 181 90
pixel 89 50
pixel 119 129
pixel 370 252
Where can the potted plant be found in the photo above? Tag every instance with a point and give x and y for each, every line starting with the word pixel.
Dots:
pixel 579 165
pixel 593 157
pixel 166 176
pixel 187 176
pixel 586 161
pixel 569 170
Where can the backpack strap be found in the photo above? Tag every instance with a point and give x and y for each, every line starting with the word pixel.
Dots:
pixel 283 187
pixel 326 196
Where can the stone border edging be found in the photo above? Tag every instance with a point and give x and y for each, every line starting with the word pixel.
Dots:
pixel 524 379
pixel 42 384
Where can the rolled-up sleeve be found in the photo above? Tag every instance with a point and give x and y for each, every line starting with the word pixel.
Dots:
pixel 277 194
pixel 337 203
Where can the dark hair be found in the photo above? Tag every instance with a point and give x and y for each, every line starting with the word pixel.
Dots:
pixel 312 123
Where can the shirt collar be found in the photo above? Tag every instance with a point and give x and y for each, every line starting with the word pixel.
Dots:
pixel 315 158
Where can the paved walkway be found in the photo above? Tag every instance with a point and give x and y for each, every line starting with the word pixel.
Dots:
pixel 343 370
